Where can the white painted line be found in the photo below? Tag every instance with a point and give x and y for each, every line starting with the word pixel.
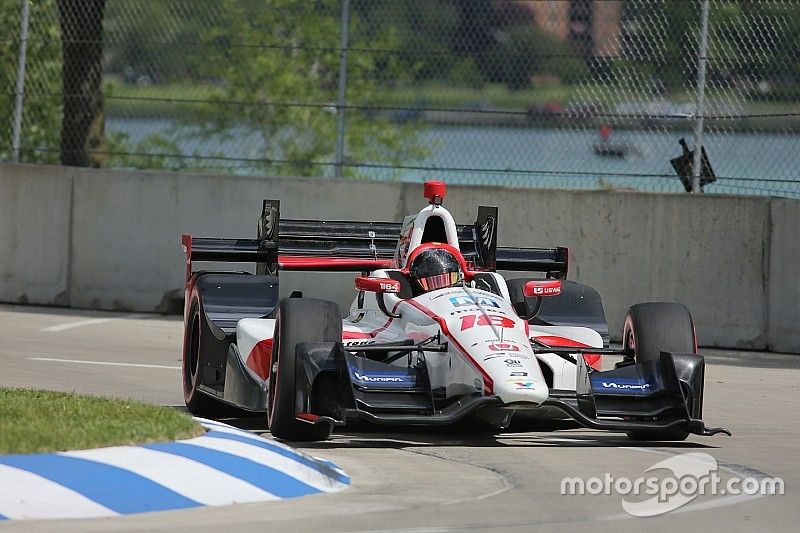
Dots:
pixel 70 325
pixel 290 467
pixel 89 322
pixel 107 363
pixel 27 495
pixel 189 478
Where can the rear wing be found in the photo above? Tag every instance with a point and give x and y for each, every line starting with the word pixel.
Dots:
pixel 347 246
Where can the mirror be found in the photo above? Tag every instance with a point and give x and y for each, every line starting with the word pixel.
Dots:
pixel 378 285
pixel 542 287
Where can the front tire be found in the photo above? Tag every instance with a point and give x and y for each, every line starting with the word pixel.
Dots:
pixel 299 320
pixel 652 328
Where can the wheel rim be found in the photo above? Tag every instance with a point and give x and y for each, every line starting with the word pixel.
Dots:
pixel 630 345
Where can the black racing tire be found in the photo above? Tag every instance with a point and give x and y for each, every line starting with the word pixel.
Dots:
pixel 651 328
pixel 298 320
pixel 197 403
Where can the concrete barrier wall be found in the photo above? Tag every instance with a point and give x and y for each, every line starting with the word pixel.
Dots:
pixel 127 227
pixel 729 259
pixel 705 252
pixel 783 314
pixel 34 234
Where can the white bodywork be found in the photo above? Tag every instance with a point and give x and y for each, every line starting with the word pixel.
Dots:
pixel 487 342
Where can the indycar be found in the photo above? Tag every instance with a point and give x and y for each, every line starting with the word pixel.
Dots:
pixel 480 347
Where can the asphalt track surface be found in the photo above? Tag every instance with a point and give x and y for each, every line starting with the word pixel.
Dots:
pixel 458 479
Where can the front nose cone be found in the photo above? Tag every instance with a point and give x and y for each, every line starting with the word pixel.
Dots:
pixel 522 390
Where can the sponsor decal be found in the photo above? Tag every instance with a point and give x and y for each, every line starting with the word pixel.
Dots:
pixel 613 385
pixel 512 362
pixel 468 310
pixel 503 347
pixel 542 287
pixel 498 355
pixel 546 291
pixel 269 213
pixel 358 343
pixel 519 374
pixel 621 385
pixel 475 310
pixel 488 232
pixel 466 301
pixel 381 379
pixel 469 321
pixel 524 385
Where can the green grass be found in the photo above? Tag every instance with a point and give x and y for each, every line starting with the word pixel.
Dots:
pixel 43 421
pixel 493 95
pixel 169 100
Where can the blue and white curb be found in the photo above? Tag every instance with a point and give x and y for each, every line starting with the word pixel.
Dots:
pixel 222 467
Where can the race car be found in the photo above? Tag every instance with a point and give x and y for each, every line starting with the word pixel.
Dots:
pixel 434 335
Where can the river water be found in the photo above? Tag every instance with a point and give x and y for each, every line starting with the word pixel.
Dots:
pixel 745 163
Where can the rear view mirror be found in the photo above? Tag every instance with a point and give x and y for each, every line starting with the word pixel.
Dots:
pixel 378 285
pixel 542 287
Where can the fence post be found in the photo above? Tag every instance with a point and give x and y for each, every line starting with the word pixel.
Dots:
pixel 23 50
pixel 701 94
pixel 341 99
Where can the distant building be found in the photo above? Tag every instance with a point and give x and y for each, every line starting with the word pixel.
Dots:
pixel 593 25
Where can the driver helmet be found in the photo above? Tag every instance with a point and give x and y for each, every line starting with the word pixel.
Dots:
pixel 434 268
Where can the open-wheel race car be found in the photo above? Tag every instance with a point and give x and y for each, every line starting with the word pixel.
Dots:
pixel 434 335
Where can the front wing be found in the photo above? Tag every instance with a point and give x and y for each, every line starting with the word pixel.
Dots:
pixel 335 386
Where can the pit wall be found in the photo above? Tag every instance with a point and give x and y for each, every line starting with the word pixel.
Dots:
pixel 104 239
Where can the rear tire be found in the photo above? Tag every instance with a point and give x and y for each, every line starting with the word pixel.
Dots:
pixel 298 320
pixel 196 402
pixel 651 328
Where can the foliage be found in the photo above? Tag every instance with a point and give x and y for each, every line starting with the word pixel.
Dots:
pixel 404 53
pixel 156 42
pixel 524 51
pixel 424 31
pixel 747 41
pixel 278 66
pixel 472 43
pixel 41 124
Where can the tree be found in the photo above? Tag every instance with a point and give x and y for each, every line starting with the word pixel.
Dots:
pixel 39 137
pixel 278 64
pixel 82 130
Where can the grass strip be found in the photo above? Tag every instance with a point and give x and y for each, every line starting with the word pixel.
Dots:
pixel 34 421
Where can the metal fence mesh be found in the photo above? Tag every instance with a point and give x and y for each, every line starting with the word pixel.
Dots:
pixel 568 94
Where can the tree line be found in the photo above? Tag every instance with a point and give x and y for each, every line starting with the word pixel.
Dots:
pixel 267 52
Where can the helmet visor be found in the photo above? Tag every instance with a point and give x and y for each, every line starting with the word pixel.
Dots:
pixel 439 281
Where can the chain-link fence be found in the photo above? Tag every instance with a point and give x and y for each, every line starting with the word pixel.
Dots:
pixel 569 94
